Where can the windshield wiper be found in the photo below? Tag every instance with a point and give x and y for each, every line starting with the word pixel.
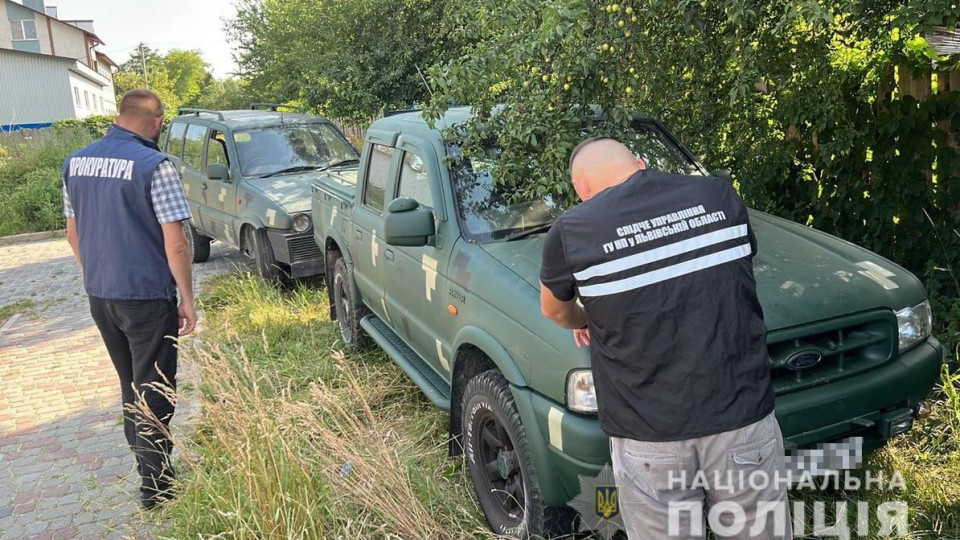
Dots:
pixel 298 168
pixel 527 232
pixel 353 161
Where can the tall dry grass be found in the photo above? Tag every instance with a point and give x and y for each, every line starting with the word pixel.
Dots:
pixel 297 440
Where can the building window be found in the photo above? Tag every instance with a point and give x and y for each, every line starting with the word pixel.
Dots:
pixel 95 107
pixel 86 98
pixel 76 95
pixel 101 104
pixel 23 29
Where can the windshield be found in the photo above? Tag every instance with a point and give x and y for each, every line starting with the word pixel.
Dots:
pixel 651 144
pixel 483 207
pixel 296 146
pixel 485 213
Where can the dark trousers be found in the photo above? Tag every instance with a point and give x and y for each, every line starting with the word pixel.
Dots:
pixel 140 337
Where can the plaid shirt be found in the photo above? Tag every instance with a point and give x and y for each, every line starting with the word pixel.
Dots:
pixel 166 192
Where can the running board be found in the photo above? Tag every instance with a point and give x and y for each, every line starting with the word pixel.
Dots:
pixel 434 387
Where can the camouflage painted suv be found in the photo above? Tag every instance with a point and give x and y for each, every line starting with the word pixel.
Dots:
pixel 247 176
pixel 429 258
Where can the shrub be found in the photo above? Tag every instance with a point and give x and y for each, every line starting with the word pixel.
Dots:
pixel 30 177
pixel 96 125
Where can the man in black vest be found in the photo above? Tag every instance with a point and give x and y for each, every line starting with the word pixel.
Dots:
pixel 663 267
pixel 124 206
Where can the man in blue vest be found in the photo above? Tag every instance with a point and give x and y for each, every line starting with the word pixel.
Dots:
pixel 124 206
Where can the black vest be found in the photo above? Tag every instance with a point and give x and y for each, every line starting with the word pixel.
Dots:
pixel 121 241
pixel 664 268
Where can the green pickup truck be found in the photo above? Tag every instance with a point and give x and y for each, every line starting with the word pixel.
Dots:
pixel 247 176
pixel 427 257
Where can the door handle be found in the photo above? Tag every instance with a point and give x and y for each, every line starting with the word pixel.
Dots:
pixel 203 185
pixel 388 254
pixel 359 234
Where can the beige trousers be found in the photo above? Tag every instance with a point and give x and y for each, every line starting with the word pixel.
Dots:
pixel 728 481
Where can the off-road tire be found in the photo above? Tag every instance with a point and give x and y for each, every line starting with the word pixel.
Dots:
pixel 199 244
pixel 487 401
pixel 257 246
pixel 349 311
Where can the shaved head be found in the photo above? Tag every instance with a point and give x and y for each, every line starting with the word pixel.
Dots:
pixel 141 111
pixel 599 163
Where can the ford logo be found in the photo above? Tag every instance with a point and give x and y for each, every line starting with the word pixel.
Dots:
pixel 803 359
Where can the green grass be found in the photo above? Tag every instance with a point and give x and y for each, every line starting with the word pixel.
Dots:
pixel 285 410
pixel 10 310
pixel 30 177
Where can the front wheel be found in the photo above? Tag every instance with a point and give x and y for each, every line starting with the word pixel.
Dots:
pixel 498 457
pixel 257 246
pixel 198 244
pixel 349 311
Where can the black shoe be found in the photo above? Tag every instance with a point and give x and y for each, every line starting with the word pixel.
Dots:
pixel 150 499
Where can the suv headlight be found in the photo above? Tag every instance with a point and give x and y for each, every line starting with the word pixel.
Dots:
pixel 301 223
pixel 581 395
pixel 914 324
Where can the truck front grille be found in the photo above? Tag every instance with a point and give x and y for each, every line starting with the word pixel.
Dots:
pixel 303 248
pixel 846 346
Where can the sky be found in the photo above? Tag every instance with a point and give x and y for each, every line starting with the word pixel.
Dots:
pixel 160 24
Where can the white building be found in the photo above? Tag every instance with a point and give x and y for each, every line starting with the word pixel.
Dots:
pixel 49 68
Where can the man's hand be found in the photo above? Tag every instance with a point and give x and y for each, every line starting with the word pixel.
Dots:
pixel 187 318
pixel 581 336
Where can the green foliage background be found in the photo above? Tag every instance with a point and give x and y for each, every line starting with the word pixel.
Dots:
pixel 347 60
pixel 805 101
pixel 182 79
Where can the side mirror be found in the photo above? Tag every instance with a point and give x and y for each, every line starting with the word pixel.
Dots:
pixel 406 224
pixel 218 171
pixel 722 173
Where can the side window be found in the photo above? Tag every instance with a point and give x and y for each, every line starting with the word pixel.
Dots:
pixel 193 146
pixel 175 138
pixel 377 176
pixel 217 148
pixel 414 180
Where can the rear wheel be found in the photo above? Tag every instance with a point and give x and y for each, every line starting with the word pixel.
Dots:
pixel 199 244
pixel 348 310
pixel 257 246
pixel 498 456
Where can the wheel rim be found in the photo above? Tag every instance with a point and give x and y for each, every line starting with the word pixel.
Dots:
pixel 343 308
pixel 248 248
pixel 498 471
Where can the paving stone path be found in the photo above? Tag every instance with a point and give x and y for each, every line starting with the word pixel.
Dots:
pixel 65 469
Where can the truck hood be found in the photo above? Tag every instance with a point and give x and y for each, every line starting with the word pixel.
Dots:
pixel 803 275
pixel 292 191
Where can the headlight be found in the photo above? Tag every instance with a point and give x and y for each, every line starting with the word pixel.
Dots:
pixel 301 223
pixel 581 395
pixel 914 324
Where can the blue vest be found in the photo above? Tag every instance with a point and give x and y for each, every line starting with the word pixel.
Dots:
pixel 121 241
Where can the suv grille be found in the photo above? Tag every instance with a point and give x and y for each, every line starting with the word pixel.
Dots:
pixel 303 248
pixel 846 346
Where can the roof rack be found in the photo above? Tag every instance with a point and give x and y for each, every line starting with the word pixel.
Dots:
pixel 198 112
pixel 400 111
pixel 275 106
